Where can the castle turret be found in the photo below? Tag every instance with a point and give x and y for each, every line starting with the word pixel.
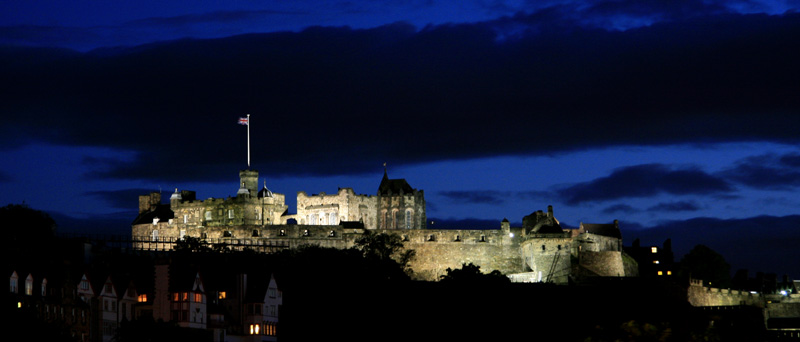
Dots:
pixel 175 198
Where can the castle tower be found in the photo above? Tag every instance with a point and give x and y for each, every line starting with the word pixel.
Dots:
pixel 399 205
pixel 248 179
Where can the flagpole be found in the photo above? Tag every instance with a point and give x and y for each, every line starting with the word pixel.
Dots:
pixel 248 141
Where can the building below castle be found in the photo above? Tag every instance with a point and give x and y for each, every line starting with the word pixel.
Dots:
pixel 539 251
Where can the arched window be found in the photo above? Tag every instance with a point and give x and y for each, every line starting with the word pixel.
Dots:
pixel 395 218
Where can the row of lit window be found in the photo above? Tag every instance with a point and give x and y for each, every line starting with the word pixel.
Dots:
pixel 268 329
pixel 14 288
pixel 184 297
pixel 661 273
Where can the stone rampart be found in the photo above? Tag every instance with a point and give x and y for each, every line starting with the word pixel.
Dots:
pixel 699 295
pixel 438 250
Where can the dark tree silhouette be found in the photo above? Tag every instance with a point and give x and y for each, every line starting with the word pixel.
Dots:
pixel 704 263
pixel 470 274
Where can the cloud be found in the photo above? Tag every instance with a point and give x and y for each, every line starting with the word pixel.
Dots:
pixel 466 223
pixel 476 197
pixel 619 208
pixel 336 101
pixel 645 180
pixel 675 206
pixel 123 199
pixel 770 171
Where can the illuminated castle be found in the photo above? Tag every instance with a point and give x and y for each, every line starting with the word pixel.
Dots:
pixel 539 251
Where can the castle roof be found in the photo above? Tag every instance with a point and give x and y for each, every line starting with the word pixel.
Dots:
pixel 264 192
pixel 393 186
pixel 554 228
pixel 604 229
pixel 162 211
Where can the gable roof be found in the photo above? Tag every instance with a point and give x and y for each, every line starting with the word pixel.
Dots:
pixel 604 229
pixel 393 186
pixel 162 211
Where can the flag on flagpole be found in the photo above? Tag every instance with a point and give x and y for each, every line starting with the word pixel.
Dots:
pixel 244 121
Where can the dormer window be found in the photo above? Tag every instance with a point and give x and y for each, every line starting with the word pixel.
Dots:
pixel 155 221
pixel 282 232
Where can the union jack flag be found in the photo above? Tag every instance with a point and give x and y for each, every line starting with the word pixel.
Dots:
pixel 244 121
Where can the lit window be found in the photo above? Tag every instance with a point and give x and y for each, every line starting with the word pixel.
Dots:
pixel 230 213
pixel 198 297
pixel 13 283
pixel 222 295
pixel 176 297
pixel 208 215
pixel 142 298
pixel 660 273
pixel 29 285
pixel 669 272
pixel 653 249
pixel 655 262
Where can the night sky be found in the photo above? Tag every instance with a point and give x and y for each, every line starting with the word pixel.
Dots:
pixel 679 118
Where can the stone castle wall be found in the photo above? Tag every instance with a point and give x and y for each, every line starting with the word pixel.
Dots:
pixel 438 250
pixel 699 295
pixel 345 205
pixel 606 264
pixel 548 257
pixel 402 211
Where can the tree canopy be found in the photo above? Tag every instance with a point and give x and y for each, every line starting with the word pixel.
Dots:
pixel 704 263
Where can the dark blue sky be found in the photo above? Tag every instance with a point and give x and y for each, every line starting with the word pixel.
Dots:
pixel 678 118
